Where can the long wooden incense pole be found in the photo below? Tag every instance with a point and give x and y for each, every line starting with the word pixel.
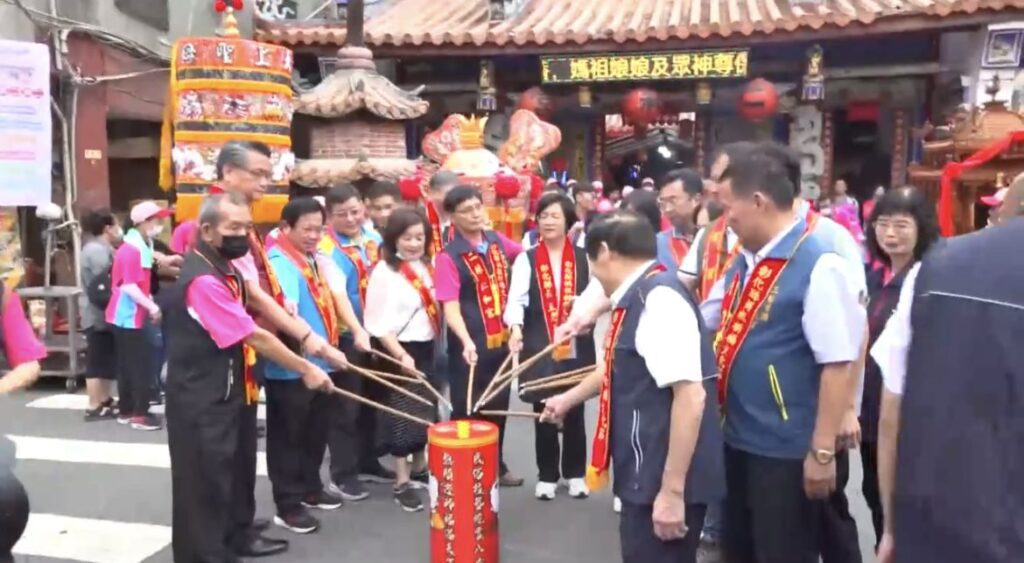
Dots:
pixel 497 374
pixel 395 376
pixel 469 389
pixel 422 376
pixel 566 382
pixel 386 383
pixel 507 378
pixel 385 408
pixel 558 376
pixel 397 362
pixel 522 414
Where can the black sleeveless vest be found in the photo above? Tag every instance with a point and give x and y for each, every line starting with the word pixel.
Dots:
pixel 641 412
pixel 958 495
pixel 535 332
pixel 199 373
pixel 467 293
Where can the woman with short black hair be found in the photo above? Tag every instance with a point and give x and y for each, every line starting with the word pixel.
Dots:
pixel 545 281
pixel 403 314
pixel 903 227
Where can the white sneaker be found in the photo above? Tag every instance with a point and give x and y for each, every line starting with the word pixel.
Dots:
pixel 578 488
pixel 617 505
pixel 545 491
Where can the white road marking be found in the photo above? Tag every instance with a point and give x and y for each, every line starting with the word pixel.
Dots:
pixel 103 453
pixel 89 540
pixel 69 401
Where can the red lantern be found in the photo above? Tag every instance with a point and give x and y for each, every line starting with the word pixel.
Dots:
pixel 536 187
pixel 219 6
pixel 537 101
pixel 759 100
pixel 409 187
pixel 641 107
pixel 506 186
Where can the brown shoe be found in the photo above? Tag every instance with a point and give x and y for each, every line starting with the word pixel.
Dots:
pixel 508 480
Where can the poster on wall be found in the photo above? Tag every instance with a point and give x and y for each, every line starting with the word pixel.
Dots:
pixel 26 151
pixel 1003 48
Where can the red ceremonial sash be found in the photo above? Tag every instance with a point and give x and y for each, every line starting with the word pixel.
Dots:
pixel 597 472
pixel 426 297
pixel 259 252
pixel 434 218
pixel 556 305
pixel 679 247
pixel 252 391
pixel 740 309
pixel 491 291
pixel 717 256
pixel 352 251
pixel 317 287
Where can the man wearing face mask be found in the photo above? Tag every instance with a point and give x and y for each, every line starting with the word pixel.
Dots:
pixel 212 348
pixel 131 301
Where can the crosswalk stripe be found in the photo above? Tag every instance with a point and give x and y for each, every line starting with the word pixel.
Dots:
pixel 91 540
pixel 68 401
pixel 103 453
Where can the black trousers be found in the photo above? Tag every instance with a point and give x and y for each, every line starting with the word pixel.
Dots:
pixel 134 370
pixel 346 437
pixel 869 462
pixel 570 456
pixel 640 545
pixel 769 519
pixel 488 362
pixel 296 435
pixel 213 472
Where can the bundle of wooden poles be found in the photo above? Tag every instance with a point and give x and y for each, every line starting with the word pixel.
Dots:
pixel 503 379
pixel 387 380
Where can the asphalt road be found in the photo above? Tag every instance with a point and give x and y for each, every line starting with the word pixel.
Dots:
pixel 100 492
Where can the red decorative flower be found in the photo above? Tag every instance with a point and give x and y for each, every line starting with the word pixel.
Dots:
pixel 219 6
pixel 237 5
pixel 409 187
pixel 506 187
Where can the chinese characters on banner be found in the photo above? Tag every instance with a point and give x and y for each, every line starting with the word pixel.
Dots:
pixel 478 508
pixel 26 149
pixel 448 494
pixel 683 65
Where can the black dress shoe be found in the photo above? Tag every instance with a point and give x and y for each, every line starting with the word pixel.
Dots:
pixel 260 546
pixel 260 525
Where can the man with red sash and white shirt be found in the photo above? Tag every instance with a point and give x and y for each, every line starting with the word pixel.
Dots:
pixel 658 424
pixel 792 329
pixel 244 167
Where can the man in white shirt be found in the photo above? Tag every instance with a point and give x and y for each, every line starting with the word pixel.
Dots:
pixel 665 437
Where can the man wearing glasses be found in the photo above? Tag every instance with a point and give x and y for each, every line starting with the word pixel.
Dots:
pixel 678 199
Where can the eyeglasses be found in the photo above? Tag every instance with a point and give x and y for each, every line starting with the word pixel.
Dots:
pixel 898 226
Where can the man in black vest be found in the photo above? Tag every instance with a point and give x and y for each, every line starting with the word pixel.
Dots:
pixel 656 420
pixel 471 281
pixel 212 347
pixel 950 482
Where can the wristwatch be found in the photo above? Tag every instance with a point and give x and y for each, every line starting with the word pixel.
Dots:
pixel 824 457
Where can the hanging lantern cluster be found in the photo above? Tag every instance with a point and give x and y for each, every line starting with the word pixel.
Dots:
pixel 641 107
pixel 220 6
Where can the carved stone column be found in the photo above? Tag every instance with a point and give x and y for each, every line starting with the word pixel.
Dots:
pixel 900 131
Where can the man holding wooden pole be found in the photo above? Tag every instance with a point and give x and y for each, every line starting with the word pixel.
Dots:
pixel 665 438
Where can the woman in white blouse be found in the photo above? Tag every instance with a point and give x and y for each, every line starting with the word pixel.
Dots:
pixel 403 314
pixel 544 284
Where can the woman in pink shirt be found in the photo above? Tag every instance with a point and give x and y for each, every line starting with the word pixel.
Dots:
pixel 20 345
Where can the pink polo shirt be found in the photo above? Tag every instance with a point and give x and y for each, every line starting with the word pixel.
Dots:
pixel 212 304
pixel 446 274
pixel 20 343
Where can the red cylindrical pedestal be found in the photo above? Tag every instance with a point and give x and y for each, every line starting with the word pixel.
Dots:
pixel 463 492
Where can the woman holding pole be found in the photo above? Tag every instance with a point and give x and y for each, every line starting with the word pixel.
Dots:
pixel 545 280
pixel 403 314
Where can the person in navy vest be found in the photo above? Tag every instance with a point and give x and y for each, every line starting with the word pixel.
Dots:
pixel 212 347
pixel 658 427
pixel 471 282
pixel 679 198
pixel 791 329
pixel 949 435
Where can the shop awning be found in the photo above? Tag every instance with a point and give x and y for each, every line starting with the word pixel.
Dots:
pixel 542 23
